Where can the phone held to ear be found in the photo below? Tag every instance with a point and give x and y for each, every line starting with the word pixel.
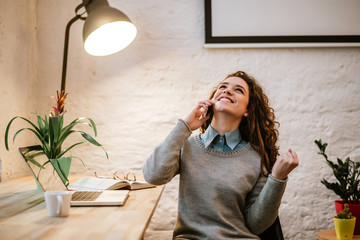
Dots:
pixel 207 111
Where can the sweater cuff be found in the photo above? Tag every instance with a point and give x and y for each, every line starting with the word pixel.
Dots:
pixel 278 180
pixel 187 126
pixel 278 186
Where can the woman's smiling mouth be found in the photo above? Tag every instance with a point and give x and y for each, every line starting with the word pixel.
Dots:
pixel 225 99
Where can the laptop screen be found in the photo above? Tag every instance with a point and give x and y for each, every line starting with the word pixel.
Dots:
pixel 42 169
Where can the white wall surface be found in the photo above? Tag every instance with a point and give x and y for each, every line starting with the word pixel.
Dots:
pixel 18 66
pixel 136 96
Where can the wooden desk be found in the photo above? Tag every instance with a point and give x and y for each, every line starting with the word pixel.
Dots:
pixel 23 215
pixel 331 235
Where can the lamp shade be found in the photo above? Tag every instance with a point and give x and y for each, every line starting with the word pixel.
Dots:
pixel 107 30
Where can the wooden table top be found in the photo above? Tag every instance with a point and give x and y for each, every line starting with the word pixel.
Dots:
pixel 23 215
pixel 330 234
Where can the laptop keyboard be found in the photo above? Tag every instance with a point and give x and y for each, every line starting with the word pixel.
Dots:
pixel 85 195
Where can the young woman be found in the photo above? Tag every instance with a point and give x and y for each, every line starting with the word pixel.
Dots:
pixel 231 176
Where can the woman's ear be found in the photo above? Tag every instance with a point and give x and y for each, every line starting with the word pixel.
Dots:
pixel 246 114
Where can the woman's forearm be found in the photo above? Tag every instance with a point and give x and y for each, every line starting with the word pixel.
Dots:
pixel 163 164
pixel 263 203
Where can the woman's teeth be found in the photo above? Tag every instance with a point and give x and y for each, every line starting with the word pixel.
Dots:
pixel 224 100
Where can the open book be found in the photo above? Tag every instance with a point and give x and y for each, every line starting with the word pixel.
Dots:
pixel 94 183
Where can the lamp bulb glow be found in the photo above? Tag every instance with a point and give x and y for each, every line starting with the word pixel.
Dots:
pixel 110 38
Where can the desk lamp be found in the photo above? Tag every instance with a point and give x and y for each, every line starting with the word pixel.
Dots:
pixel 106 31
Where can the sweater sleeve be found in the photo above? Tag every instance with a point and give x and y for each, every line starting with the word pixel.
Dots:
pixel 263 202
pixel 164 162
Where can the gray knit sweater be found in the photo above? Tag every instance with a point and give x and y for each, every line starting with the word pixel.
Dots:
pixel 222 195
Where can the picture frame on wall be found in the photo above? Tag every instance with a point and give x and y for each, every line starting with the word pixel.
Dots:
pixel 282 23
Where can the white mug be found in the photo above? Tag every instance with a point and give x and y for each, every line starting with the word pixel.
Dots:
pixel 58 203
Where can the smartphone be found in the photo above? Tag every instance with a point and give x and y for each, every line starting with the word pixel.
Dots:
pixel 207 111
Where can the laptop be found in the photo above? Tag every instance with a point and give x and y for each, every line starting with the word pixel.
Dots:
pixel 48 179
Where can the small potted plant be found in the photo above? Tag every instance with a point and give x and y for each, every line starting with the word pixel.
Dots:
pixel 347 185
pixel 344 224
pixel 52 133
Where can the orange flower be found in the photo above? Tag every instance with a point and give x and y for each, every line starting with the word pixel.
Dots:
pixel 59 108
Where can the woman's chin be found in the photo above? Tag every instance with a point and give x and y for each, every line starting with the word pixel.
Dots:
pixel 222 106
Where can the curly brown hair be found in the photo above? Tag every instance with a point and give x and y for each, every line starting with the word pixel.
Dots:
pixel 259 127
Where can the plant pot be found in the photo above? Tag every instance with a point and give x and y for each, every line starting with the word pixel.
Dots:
pixel 355 211
pixel 344 228
pixel 62 166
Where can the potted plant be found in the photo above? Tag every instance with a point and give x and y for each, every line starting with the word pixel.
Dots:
pixel 347 186
pixel 344 224
pixel 52 133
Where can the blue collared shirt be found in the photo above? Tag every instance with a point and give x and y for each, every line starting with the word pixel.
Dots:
pixel 230 141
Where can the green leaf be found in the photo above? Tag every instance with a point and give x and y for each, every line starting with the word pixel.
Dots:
pixel 7 133
pixel 89 138
pixel 31 130
pixel 80 160
pixel 318 143
pixel 46 122
pixel 66 131
pixel 19 131
pixel 93 125
pixel 63 137
pixel 36 130
pixel 321 146
pixel 32 124
pixel 55 124
pixel 42 167
pixel 30 156
pixel 65 151
pixel 54 127
pixel 107 156
pixel 40 123
pixel 93 141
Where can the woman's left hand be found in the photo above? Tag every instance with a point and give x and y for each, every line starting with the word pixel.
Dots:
pixel 284 164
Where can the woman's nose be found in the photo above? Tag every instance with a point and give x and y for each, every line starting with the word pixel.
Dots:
pixel 227 91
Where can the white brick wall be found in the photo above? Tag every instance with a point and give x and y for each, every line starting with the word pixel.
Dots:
pixel 137 95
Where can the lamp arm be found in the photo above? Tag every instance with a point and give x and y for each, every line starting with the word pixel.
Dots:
pixel 66 42
pixel 66 47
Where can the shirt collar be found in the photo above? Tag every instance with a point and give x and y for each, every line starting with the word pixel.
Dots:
pixel 209 136
pixel 233 138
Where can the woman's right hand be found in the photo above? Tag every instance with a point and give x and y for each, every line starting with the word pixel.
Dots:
pixel 195 119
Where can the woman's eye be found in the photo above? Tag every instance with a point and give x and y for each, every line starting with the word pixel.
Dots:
pixel 239 90
pixel 222 87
